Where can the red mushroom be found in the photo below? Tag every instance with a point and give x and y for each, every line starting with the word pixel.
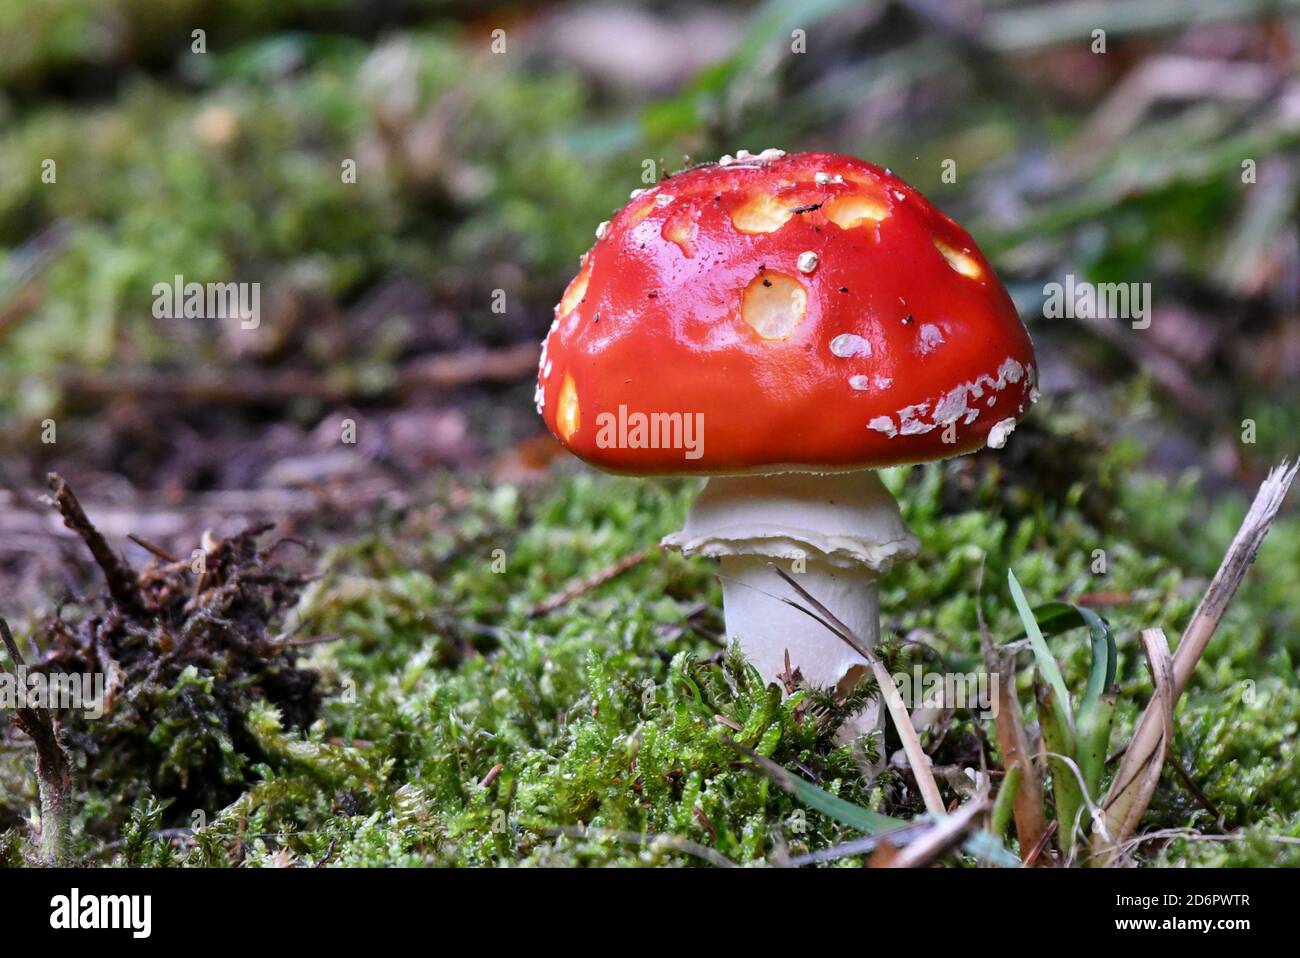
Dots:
pixel 783 324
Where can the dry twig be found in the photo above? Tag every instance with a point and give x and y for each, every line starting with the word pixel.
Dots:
pixel 584 585
pixel 118 573
pixel 943 837
pixel 1134 782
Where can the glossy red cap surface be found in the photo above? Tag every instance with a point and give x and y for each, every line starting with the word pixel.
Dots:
pixel 808 312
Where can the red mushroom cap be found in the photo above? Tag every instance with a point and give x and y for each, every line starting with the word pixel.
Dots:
pixel 808 312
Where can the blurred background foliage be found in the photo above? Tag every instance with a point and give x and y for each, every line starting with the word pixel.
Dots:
pixel 1170 157
pixel 479 170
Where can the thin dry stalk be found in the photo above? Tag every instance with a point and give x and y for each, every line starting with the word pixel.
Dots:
pixel 946 835
pixel 916 756
pixel 1134 782
pixel 53 773
pixel 1121 818
pixel 1037 851
pixel 579 587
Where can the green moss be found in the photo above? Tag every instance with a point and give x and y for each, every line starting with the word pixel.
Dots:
pixel 604 713
pixel 609 718
pixel 243 179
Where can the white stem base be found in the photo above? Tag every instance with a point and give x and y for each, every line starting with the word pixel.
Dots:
pixel 834 533
pixel 766 627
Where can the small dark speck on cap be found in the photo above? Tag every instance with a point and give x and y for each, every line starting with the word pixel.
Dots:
pixel 844 289
pixel 652 294
pixel 907 320
pixel 767 282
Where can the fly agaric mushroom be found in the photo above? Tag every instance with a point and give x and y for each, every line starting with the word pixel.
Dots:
pixel 785 325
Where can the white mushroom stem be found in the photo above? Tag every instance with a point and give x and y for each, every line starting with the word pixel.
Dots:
pixel 835 534
pixel 768 628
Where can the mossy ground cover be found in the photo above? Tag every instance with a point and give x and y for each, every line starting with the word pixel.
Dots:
pixel 459 728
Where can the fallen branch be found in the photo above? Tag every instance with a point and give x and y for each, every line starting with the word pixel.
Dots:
pixel 1134 782
pixel 1040 26
pixel 453 370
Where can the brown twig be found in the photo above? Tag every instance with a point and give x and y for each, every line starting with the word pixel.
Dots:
pixel 946 835
pixel 728 722
pixel 581 586
pixel 898 838
pixel 118 573
pixel 1134 782
pixel 705 823
pixel 157 551
pixel 1240 555
pixel 1034 853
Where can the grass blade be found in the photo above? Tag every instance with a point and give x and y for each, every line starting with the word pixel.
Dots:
pixel 980 844
pixel 1006 800
pixel 818 799
pixel 1097 710
pixel 1104 657
pixel 1013 741
pixel 1047 666
pixel 1057 722
pixel 1058 739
